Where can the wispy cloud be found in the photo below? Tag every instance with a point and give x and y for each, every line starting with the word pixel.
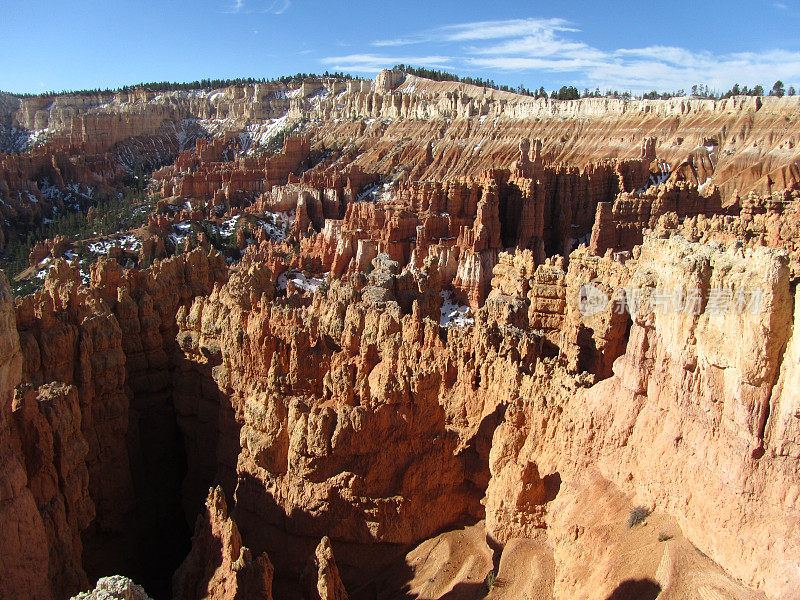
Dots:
pixel 543 43
pixel 275 7
pixel 481 30
pixel 372 63
pixel 530 46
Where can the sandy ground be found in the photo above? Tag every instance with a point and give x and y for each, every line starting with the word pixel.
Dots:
pixel 606 559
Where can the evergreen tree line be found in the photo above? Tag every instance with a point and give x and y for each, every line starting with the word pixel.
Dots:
pixel 572 93
pixel 106 218
pixel 564 93
pixel 201 84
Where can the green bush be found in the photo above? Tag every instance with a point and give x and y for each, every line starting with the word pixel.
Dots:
pixel 490 580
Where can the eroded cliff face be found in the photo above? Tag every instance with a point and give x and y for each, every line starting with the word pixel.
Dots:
pixel 457 337
pixel 25 557
pixel 219 565
pixel 333 385
pixel 430 130
pixel 680 424
pixel 95 424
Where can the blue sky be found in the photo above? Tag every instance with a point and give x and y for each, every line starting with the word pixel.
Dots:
pixel 62 44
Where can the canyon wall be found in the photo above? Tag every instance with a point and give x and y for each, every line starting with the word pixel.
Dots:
pixel 95 423
pixel 557 334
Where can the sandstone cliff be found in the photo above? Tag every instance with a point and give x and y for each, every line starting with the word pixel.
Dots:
pixel 460 343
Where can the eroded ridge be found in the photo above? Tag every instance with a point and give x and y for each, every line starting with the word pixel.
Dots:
pixel 373 339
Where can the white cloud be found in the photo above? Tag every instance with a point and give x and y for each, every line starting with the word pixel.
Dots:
pixel 490 30
pixel 280 7
pixel 670 54
pixel 554 46
pixel 544 43
pixel 275 7
pixel 481 30
pixel 372 63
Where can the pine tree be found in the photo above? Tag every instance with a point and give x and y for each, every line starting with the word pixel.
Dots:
pixel 778 89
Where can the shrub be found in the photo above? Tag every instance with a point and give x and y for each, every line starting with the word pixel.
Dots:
pixel 491 578
pixel 663 537
pixel 637 515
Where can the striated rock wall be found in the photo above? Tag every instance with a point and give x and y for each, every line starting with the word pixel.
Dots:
pixel 314 430
pixel 693 406
pixel 99 435
pixel 463 225
pixel 772 221
pixel 25 557
pixel 433 130
pixel 68 336
pixel 620 225
pixel 680 426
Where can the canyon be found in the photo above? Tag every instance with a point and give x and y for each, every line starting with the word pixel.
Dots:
pixel 400 338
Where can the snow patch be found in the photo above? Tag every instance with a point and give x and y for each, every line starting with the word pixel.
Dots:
pixel 277 224
pixel 301 282
pixel 126 242
pixel 453 313
pixel 228 227
pixel 704 185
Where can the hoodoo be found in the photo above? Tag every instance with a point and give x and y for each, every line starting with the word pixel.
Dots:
pixel 333 338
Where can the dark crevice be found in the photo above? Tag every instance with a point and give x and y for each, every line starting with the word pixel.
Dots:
pixel 636 589
pixel 155 538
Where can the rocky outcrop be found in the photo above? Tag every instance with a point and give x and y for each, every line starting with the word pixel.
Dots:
pixel 199 173
pixel 433 130
pixel 25 557
pixel 620 225
pixel 68 336
pixel 95 424
pixel 676 392
pixel 772 221
pixel 114 587
pixel 320 445
pixel 328 584
pixel 48 420
pixel 219 566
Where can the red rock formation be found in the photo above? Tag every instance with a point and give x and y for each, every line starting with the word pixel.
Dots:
pixel 210 171
pixel 620 225
pixel 655 437
pixel 318 389
pixel 67 336
pixel 219 567
pixel 114 342
pixel 328 583
pixel 293 452
pixel 25 557
pixel 54 448
pixel 52 248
